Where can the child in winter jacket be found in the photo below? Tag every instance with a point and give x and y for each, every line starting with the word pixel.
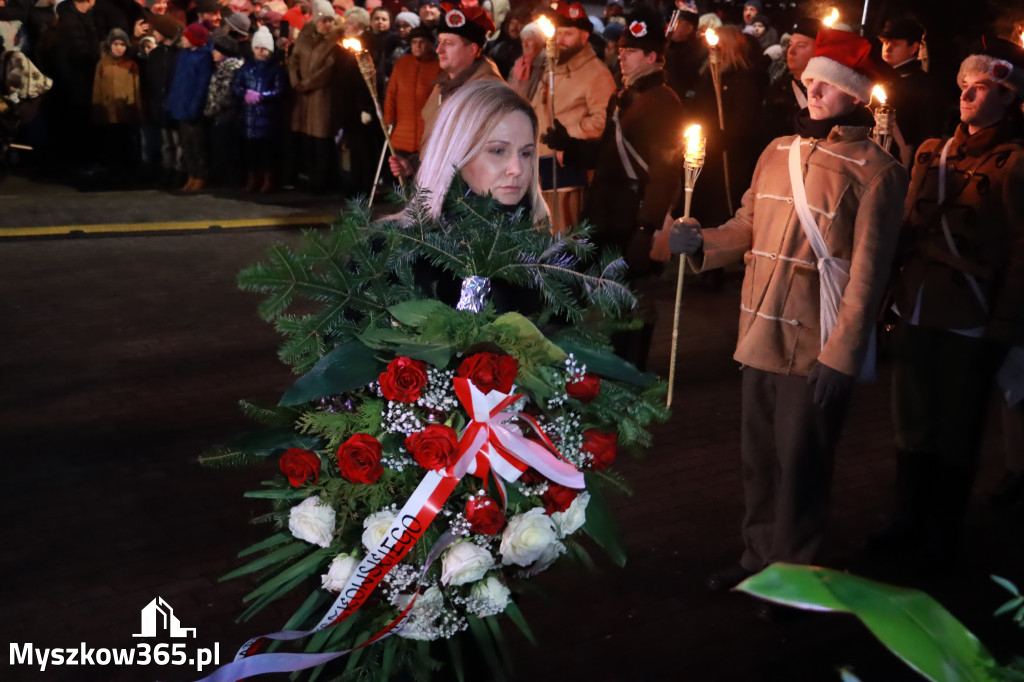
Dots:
pixel 117 104
pixel 186 99
pixel 222 110
pixel 261 85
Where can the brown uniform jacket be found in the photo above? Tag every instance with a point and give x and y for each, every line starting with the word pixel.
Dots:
pixel 311 72
pixel 855 191
pixel 583 86
pixel 483 69
pixel 408 89
pixel 984 209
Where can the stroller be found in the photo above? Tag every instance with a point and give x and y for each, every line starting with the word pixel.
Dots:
pixel 23 88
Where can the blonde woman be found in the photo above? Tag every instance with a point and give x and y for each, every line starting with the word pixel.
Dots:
pixel 488 134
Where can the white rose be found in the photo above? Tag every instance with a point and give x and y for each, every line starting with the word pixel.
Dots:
pixel 312 521
pixel 547 557
pixel 491 597
pixel 573 518
pixel 376 526
pixel 420 624
pixel 465 562
pixel 526 537
pixel 338 573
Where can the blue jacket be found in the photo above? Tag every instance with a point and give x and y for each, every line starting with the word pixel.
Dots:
pixel 267 77
pixel 191 80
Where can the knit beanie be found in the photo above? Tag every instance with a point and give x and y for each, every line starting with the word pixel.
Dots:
pixel 262 38
pixel 322 10
pixel 117 34
pixel 842 59
pixel 197 34
pixel 226 45
pixel 756 4
pixel 408 17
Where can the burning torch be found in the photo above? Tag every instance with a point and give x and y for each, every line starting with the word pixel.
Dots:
pixel 551 51
pixel 885 119
pixel 369 73
pixel 693 163
pixel 715 62
pixel 832 18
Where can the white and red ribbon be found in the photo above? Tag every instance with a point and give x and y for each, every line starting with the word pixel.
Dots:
pixel 490 444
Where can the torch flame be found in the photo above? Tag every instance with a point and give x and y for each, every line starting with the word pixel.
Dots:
pixel 831 18
pixel 352 44
pixel 1022 37
pixel 711 37
pixel 546 27
pixel 878 93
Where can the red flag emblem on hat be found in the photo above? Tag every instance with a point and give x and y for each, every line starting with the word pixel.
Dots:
pixel 1000 70
pixel 455 18
pixel 638 29
pixel 575 11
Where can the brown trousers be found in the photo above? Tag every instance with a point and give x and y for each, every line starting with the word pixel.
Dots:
pixel 787 445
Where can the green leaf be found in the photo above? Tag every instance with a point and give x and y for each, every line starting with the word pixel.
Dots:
pixel 386 338
pixel 300 569
pixel 1007 585
pixel 908 622
pixel 347 367
pixel 314 601
pixel 455 655
pixel 274 441
pixel 600 524
pixel 516 616
pixel 486 646
pixel 388 657
pixel 266 560
pixel 1011 605
pixel 606 364
pixel 519 326
pixel 277 494
pixel 417 313
pixel 436 354
pixel 272 541
pixel 847 675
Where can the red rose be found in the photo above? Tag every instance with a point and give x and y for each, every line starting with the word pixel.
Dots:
pixel 530 477
pixel 490 371
pixel 557 498
pixel 601 446
pixel 298 465
pixel 435 447
pixel 484 515
pixel 403 380
pixel 359 459
pixel 586 389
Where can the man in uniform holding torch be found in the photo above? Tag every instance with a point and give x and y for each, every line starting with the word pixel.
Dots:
pixel 817 231
pixel 637 164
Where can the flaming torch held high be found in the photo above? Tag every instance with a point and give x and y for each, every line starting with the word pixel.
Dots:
pixel 885 119
pixel 369 73
pixel 551 52
pixel 693 163
pixel 715 62
pixel 832 18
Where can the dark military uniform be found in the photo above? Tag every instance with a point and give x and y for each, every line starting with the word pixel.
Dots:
pixel 920 108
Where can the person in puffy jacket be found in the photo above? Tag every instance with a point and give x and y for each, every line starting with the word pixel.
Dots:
pixel 261 85
pixel 186 99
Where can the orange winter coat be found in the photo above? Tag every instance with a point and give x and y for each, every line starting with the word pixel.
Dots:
pixel 410 85
pixel 115 91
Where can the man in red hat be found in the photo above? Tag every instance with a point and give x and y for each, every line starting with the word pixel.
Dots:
pixel 817 231
pixel 461 35
pixel 959 294
pixel 583 86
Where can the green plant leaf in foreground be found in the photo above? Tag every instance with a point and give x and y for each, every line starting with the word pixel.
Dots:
pixel 911 624
pixel 345 368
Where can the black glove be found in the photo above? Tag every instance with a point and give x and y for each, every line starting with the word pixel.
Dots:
pixel 830 385
pixel 638 253
pixel 557 138
pixel 686 236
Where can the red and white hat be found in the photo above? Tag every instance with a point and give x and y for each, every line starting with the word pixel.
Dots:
pixel 572 15
pixel 468 21
pixel 842 59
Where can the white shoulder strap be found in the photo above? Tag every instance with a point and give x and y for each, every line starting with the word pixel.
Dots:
pixel 803 211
